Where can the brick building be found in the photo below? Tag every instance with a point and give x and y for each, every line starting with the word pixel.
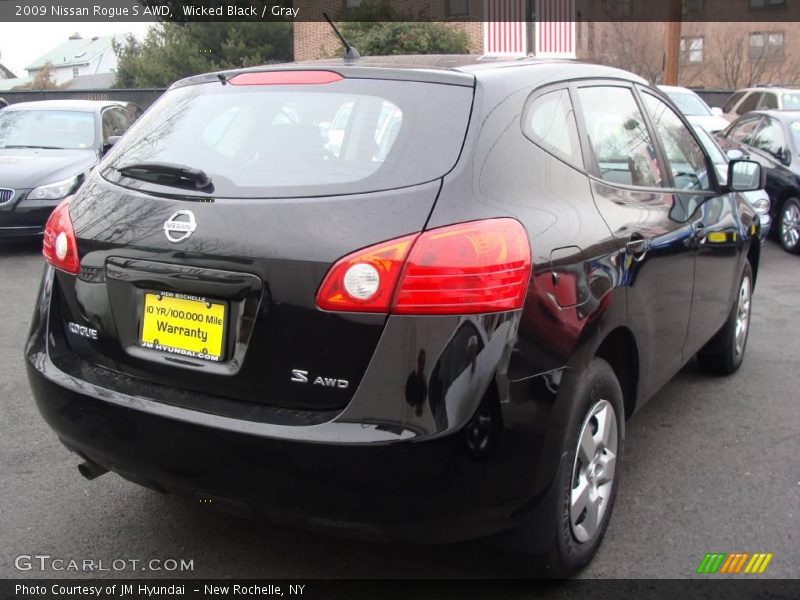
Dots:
pixel 759 44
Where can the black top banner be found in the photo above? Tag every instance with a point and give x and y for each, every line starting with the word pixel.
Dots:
pixel 406 10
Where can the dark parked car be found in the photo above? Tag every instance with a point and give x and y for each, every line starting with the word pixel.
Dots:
pixel 772 138
pixel 3 103
pixel 434 332
pixel 47 150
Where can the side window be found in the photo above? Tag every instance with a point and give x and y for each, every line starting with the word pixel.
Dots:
pixel 768 101
pixel 732 102
pixel 549 121
pixel 114 122
pixel 619 137
pixel 685 157
pixel 770 138
pixel 749 103
pixel 743 132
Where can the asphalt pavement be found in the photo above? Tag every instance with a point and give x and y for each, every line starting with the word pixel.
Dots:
pixel 711 465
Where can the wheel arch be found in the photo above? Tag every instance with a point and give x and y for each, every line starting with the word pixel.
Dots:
pixel 620 350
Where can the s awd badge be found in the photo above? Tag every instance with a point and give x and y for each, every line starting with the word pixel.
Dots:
pixel 300 376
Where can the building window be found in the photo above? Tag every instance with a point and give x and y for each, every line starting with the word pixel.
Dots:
pixel 456 8
pixel 766 45
pixel 74 71
pixel 624 7
pixel 691 50
pixel 692 6
pixel 766 3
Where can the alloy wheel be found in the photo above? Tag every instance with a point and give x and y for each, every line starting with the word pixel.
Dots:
pixel 593 471
pixel 790 226
pixel 742 317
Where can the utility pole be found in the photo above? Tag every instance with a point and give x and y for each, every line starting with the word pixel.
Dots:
pixel 673 43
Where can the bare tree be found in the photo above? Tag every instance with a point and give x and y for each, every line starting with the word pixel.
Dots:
pixel 630 46
pixel 43 80
pixel 739 65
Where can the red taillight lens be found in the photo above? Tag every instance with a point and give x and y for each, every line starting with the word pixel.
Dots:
pixel 285 78
pixel 375 269
pixel 476 267
pixel 60 247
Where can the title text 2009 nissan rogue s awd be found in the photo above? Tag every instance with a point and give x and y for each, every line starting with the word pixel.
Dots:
pixel 429 323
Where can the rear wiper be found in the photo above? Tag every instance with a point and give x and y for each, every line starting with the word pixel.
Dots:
pixel 42 147
pixel 167 174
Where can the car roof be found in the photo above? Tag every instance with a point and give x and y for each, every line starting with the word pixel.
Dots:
pixel 781 115
pixel 769 88
pixel 442 68
pixel 75 105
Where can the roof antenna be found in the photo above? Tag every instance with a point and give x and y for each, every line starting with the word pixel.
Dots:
pixel 222 79
pixel 350 53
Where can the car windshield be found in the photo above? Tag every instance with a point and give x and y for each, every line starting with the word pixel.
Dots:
pixel 689 104
pixel 63 129
pixel 791 100
pixel 260 141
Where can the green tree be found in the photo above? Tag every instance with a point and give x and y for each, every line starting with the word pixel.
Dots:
pixel 171 51
pixel 377 28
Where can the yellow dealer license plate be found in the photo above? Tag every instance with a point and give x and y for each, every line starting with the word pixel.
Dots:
pixel 183 325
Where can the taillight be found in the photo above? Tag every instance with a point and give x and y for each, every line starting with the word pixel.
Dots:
pixel 60 248
pixel 475 267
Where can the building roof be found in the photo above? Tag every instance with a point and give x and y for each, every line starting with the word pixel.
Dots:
pixel 9 84
pixel 6 73
pixel 95 81
pixel 73 52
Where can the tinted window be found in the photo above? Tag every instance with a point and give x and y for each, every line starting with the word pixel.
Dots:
pixel 350 136
pixel 732 102
pixel 47 128
pixel 791 101
pixel 684 155
pixel 770 138
pixel 550 122
pixel 712 148
pixel 619 137
pixel 743 131
pixel 768 101
pixel 749 103
pixel 794 133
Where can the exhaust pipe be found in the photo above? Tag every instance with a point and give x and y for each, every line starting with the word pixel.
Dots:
pixel 91 470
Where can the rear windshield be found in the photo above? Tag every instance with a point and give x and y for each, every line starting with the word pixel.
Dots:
pixel 349 136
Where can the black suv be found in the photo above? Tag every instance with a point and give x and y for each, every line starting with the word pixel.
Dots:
pixel 414 304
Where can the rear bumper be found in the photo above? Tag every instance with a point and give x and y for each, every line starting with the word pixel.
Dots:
pixel 366 474
pixel 430 491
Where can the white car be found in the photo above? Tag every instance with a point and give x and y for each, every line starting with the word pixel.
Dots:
pixel 761 98
pixel 695 108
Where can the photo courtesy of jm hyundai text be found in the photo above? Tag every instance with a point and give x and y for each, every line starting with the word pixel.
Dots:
pixel 395 303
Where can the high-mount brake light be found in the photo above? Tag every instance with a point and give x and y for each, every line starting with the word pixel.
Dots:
pixel 60 247
pixel 285 78
pixel 468 268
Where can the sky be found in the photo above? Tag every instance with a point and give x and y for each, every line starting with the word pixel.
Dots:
pixel 23 43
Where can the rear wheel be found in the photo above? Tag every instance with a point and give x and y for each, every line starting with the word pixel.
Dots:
pixel 789 228
pixel 724 353
pixel 588 486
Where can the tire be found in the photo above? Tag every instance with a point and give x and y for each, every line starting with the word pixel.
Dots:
pixel 589 479
pixel 789 226
pixel 724 353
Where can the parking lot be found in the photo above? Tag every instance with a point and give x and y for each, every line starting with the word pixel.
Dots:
pixel 711 465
